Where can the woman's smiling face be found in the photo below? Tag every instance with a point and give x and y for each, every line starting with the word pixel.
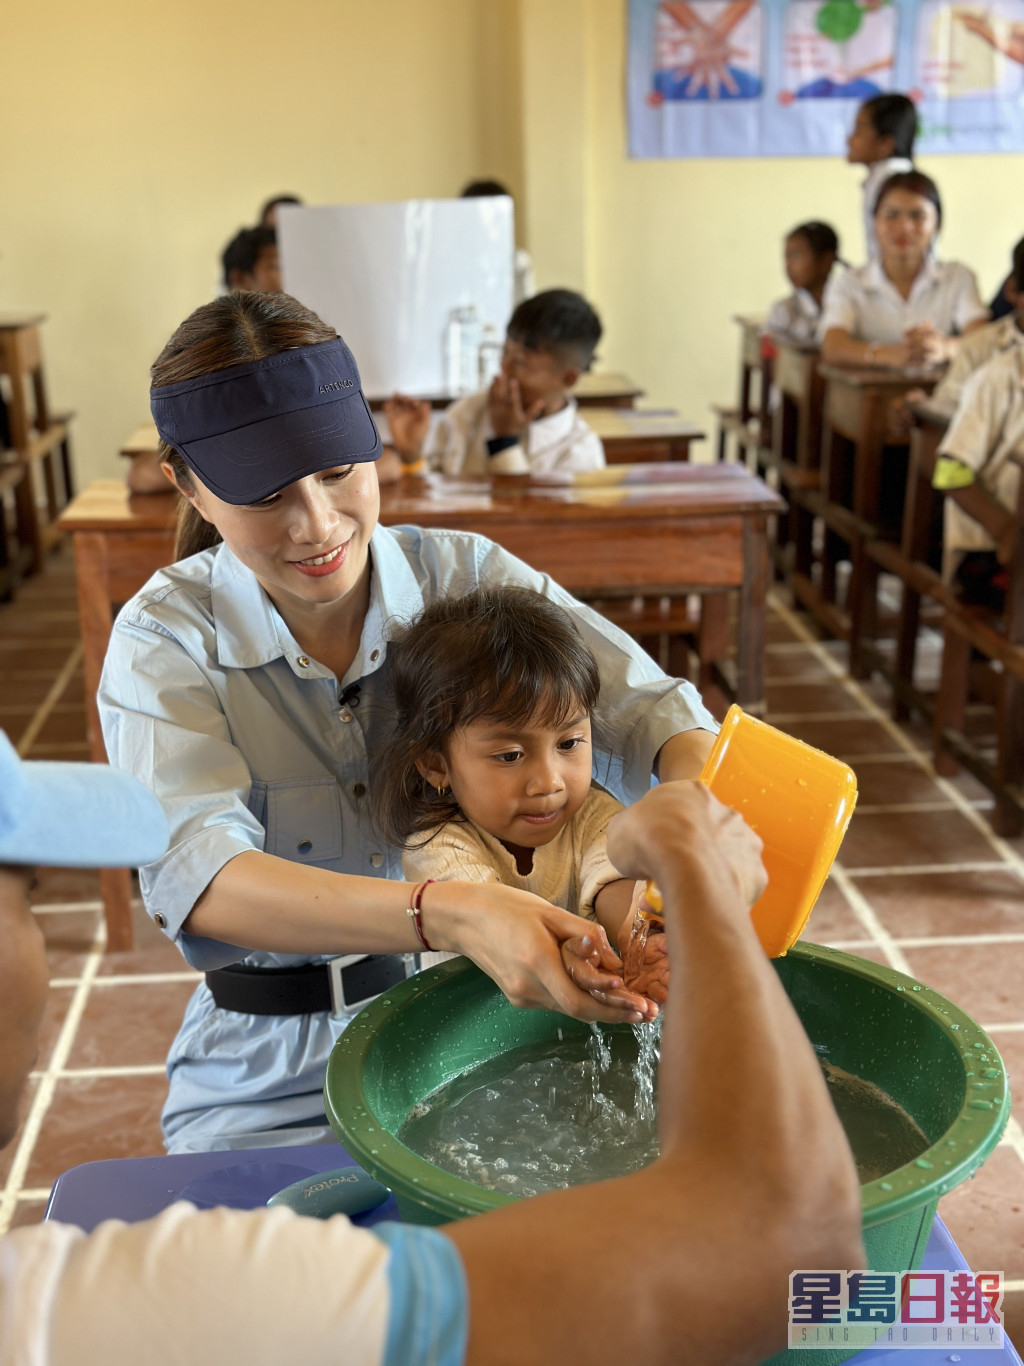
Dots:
pixel 307 544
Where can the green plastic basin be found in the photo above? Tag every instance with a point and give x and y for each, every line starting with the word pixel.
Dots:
pixel 872 1021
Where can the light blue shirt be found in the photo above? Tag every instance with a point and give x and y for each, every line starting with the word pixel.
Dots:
pixel 207 697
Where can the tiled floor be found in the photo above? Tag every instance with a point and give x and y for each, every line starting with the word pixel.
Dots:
pixel 922 884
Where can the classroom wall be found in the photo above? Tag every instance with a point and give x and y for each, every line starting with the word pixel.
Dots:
pixel 138 138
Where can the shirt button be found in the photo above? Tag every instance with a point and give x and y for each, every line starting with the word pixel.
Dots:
pixel 303 661
pixel 359 790
pixel 374 655
pixel 345 715
pixel 304 846
pixel 160 920
pixel 376 860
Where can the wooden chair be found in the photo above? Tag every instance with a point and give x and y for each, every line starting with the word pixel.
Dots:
pixel 796 449
pixel 983 655
pixel 40 440
pixel 748 425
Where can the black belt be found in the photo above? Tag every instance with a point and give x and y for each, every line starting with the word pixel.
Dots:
pixel 304 990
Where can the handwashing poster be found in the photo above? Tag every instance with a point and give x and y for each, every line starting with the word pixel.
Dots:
pixel 784 77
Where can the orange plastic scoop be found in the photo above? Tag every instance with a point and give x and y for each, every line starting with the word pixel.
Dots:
pixel 798 800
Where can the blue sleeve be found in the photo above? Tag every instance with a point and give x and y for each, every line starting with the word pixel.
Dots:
pixel 428 1318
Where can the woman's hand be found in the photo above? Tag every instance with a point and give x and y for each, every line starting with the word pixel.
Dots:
pixel 517 939
pixel 927 345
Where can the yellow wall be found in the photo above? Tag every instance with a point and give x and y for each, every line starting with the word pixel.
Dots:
pixel 137 139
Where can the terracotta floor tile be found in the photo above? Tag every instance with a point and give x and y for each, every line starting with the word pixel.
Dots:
pixel 1013 1318
pixel 153 951
pixel 69 937
pixel 894 784
pixel 968 786
pixel 64 725
pixel 921 904
pixel 986 1215
pixel 806 698
pixel 93 1118
pixel 923 837
pixel 53 625
pixel 57 1004
pixel 131 1025
pixel 14 727
pixel 777 630
pixel 16 658
pixel 1011 1050
pixel 68 752
pixel 987 983
pixel 26 687
pixel 74 693
pixel 844 739
pixel 801 663
pixel 832 920
pixel 24 1105
pixel 66 884
pixel 28 1212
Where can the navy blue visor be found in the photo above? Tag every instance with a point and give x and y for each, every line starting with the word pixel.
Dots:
pixel 252 429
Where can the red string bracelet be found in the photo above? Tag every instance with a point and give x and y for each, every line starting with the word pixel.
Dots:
pixel 413 912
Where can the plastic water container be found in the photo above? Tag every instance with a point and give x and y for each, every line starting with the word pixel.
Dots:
pixel 461 349
pixel 489 357
pixel 798 799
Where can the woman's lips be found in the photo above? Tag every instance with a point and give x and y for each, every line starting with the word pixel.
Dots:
pixel 328 563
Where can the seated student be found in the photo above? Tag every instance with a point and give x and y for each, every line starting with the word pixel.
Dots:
pixel 523 286
pixel 268 214
pixel 882 140
pixel 974 351
pixel 754 1179
pixel 811 250
pixel 528 421
pixel 250 261
pixel 904 307
pixel 486 776
pixel 979 469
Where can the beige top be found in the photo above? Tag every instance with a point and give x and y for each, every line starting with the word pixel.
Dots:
pixel 987 435
pixel 972 353
pixel 569 872
pixel 563 441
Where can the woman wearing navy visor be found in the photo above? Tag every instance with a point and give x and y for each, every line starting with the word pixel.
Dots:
pixel 242 686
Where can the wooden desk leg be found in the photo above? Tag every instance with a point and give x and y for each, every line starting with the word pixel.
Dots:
pixel 862 600
pixel 750 617
pixel 712 648
pixel 96 621
pixel 914 546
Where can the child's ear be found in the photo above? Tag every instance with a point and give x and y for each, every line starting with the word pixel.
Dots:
pixel 433 768
pixel 570 375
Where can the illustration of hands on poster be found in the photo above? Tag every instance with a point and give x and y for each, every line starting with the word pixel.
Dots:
pixel 785 77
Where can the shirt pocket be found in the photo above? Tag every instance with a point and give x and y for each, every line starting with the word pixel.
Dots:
pixel 302 819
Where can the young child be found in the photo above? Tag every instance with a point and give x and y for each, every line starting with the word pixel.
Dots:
pixel 527 422
pixel 811 250
pixel 487 774
pixel 883 141
pixel 979 347
pixel 250 261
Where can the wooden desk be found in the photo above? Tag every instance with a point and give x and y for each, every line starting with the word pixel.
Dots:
pixel 636 529
pixel 607 389
pixel 629 435
pixel 749 421
pixel 856 430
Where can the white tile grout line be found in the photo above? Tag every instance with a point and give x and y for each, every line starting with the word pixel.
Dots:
pixel 920 869
pixel 156 1069
pixel 1006 852
pixel 28 1193
pixel 44 1092
pixel 1013 1027
pixel 135 979
pixel 909 808
pixel 63 907
pixel 50 700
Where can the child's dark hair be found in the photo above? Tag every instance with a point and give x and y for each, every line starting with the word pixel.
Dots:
pixel 820 237
pixel 1018 265
pixel 559 321
pixel 243 251
pixel 894 116
pixel 505 653
pixel 273 204
pixel 485 189
pixel 914 182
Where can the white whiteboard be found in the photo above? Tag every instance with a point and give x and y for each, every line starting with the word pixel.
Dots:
pixel 388 275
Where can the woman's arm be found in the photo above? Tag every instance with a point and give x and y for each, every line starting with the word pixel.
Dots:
pixel 840 347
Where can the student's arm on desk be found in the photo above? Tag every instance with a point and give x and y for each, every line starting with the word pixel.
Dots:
pixel 839 347
pixel 755 1177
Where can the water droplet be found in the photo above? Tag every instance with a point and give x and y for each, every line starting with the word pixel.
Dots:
pixel 916 987
pixel 954 1026
pixel 980 1104
pixel 953 1356
pixel 979 1046
pixel 801 782
pixel 991 1072
pixel 901 988
pixel 923 1162
pixel 885 1185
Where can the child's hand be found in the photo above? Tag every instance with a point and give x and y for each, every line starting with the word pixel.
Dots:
pixel 644 972
pixel 594 968
pixel 927 344
pixel 409 422
pixel 505 407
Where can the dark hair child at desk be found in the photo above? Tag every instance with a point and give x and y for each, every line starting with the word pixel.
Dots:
pixel 268 214
pixel 523 284
pixel 527 422
pixel 250 261
pixel 979 348
pixel 486 772
pixel 904 307
pixel 882 139
pixel 810 252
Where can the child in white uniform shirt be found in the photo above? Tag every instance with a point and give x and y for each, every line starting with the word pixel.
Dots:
pixel 882 140
pixel 979 348
pixel 811 250
pixel 487 774
pixel 527 422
